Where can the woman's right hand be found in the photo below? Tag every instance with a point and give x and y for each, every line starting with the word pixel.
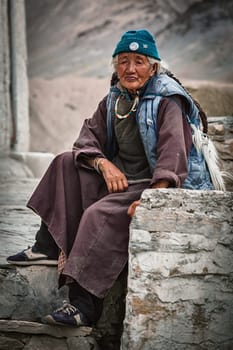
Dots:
pixel 115 180
pixel 132 208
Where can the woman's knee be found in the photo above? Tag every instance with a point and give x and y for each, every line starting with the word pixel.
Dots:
pixel 64 156
pixel 64 159
pixel 63 162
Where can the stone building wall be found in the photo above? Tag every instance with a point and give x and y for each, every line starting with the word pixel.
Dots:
pixel 221 132
pixel 180 284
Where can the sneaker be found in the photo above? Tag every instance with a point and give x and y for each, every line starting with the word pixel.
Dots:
pixel 67 315
pixel 28 257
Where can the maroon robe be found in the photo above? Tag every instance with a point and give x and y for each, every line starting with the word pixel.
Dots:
pixel 90 225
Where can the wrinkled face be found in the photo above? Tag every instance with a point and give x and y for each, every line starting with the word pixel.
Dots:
pixel 134 70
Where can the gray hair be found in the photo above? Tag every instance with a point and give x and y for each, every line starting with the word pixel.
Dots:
pixel 161 66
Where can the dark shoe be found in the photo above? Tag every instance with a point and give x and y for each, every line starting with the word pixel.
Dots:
pixel 28 257
pixel 67 315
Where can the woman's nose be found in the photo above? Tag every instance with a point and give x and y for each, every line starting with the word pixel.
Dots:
pixel 131 67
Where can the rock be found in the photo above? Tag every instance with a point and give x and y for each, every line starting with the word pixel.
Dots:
pixel 81 343
pixel 180 286
pixel 29 293
pixel 225 149
pixel 73 338
pixel 40 328
pixel 220 131
pixel 7 343
pixel 216 129
pixel 45 343
pixel 217 132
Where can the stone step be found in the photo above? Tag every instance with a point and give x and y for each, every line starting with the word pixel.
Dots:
pixel 33 335
pixel 16 191
pixel 27 327
pixel 18 224
pixel 29 293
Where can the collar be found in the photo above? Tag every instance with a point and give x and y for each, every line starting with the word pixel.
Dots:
pixel 128 96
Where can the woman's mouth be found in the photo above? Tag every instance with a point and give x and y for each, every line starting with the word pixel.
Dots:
pixel 130 78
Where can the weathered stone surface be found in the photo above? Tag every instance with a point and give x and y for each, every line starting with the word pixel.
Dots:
pixel 29 293
pixel 26 327
pixel 45 343
pixel 180 284
pixel 226 149
pixel 221 132
pixel 217 132
pixel 7 343
pixel 18 224
pixel 81 343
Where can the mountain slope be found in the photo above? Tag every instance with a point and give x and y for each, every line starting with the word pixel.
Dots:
pixel 75 36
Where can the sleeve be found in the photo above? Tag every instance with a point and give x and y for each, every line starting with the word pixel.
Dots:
pixel 174 142
pixel 93 136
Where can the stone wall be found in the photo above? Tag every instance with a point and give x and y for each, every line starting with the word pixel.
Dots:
pixel 180 284
pixel 30 293
pixel 221 132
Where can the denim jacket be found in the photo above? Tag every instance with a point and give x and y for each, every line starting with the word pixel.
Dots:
pixel 158 87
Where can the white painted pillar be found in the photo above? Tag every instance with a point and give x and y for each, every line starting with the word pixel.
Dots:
pixel 19 79
pixel 5 114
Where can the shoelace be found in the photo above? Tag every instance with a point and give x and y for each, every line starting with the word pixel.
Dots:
pixel 29 247
pixel 67 308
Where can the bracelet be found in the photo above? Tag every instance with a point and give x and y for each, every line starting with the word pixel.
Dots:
pixel 97 162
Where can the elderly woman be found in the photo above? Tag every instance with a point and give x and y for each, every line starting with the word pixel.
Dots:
pixel 139 137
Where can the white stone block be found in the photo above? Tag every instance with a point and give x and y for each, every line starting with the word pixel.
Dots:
pixel 180 285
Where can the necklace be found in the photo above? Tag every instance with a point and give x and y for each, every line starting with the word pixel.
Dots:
pixel 132 109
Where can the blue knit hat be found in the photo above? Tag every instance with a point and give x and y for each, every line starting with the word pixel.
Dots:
pixel 140 41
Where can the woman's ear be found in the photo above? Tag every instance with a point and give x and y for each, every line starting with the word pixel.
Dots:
pixel 154 69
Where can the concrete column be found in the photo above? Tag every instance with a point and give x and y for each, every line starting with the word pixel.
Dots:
pixel 5 114
pixel 19 75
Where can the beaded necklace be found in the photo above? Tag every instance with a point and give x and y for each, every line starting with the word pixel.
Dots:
pixel 132 109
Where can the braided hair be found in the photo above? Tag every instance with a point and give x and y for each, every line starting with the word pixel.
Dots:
pixel 203 116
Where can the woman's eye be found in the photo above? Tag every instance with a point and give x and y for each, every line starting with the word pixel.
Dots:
pixel 123 62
